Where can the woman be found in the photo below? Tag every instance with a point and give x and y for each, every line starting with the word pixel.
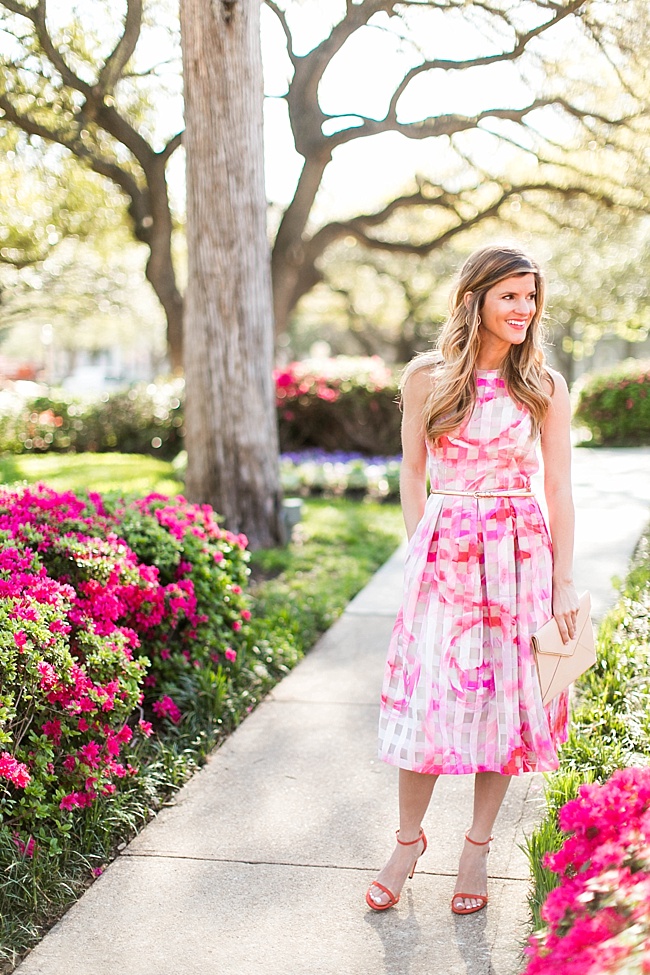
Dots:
pixel 460 691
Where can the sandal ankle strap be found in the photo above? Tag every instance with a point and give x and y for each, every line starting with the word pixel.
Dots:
pixel 476 842
pixel 409 842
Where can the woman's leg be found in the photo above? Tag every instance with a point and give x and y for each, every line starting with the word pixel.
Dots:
pixel 489 791
pixel 414 796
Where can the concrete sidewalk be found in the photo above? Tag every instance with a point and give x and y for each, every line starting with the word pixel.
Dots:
pixel 262 863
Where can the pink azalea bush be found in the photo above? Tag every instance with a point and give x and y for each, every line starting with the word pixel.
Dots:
pixel 327 379
pixel 203 610
pixel 598 918
pixel 109 610
pixel 343 403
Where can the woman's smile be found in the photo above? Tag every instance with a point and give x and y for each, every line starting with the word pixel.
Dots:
pixel 507 311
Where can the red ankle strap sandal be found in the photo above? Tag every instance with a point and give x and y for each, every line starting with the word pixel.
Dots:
pixel 482 899
pixel 394 898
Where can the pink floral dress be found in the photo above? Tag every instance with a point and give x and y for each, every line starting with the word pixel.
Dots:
pixel 460 691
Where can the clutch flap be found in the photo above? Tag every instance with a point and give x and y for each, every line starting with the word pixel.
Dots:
pixel 547 640
pixel 556 673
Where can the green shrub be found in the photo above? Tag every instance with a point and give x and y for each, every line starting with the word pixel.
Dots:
pixel 615 405
pixel 146 419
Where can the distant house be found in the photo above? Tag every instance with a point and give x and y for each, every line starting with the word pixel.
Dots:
pixel 89 370
pixel 86 371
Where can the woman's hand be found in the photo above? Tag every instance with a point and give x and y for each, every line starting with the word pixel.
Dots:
pixel 565 609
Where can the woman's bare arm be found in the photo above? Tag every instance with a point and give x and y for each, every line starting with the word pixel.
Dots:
pixel 412 482
pixel 556 451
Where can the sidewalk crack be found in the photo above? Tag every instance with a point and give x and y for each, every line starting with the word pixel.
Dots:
pixel 255 862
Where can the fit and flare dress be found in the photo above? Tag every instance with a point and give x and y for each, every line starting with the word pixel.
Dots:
pixel 460 691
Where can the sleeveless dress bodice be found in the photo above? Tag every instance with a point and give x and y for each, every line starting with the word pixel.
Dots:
pixel 492 451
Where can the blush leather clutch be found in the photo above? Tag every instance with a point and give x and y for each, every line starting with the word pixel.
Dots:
pixel 559 664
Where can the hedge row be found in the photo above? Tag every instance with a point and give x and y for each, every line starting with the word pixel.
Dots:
pixel 344 404
pixel 146 419
pixel 610 732
pixel 339 405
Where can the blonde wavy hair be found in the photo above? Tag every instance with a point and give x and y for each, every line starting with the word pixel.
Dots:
pixel 453 361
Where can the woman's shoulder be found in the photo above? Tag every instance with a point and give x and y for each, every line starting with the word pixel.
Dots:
pixel 554 382
pixel 420 370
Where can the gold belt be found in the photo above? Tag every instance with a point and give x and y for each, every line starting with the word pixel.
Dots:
pixel 524 493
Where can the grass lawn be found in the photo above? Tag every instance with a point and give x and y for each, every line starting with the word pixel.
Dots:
pixel 135 473
pixel 335 550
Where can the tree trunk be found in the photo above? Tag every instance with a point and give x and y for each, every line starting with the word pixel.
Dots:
pixel 152 220
pixel 291 280
pixel 230 418
pixel 293 270
pixel 163 282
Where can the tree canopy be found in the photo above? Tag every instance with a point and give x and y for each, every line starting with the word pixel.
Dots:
pixel 70 76
pixel 553 133
pixel 499 103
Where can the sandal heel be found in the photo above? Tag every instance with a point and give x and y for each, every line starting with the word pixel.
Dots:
pixel 482 899
pixel 394 898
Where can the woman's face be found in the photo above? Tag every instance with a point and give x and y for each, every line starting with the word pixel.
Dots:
pixel 508 309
